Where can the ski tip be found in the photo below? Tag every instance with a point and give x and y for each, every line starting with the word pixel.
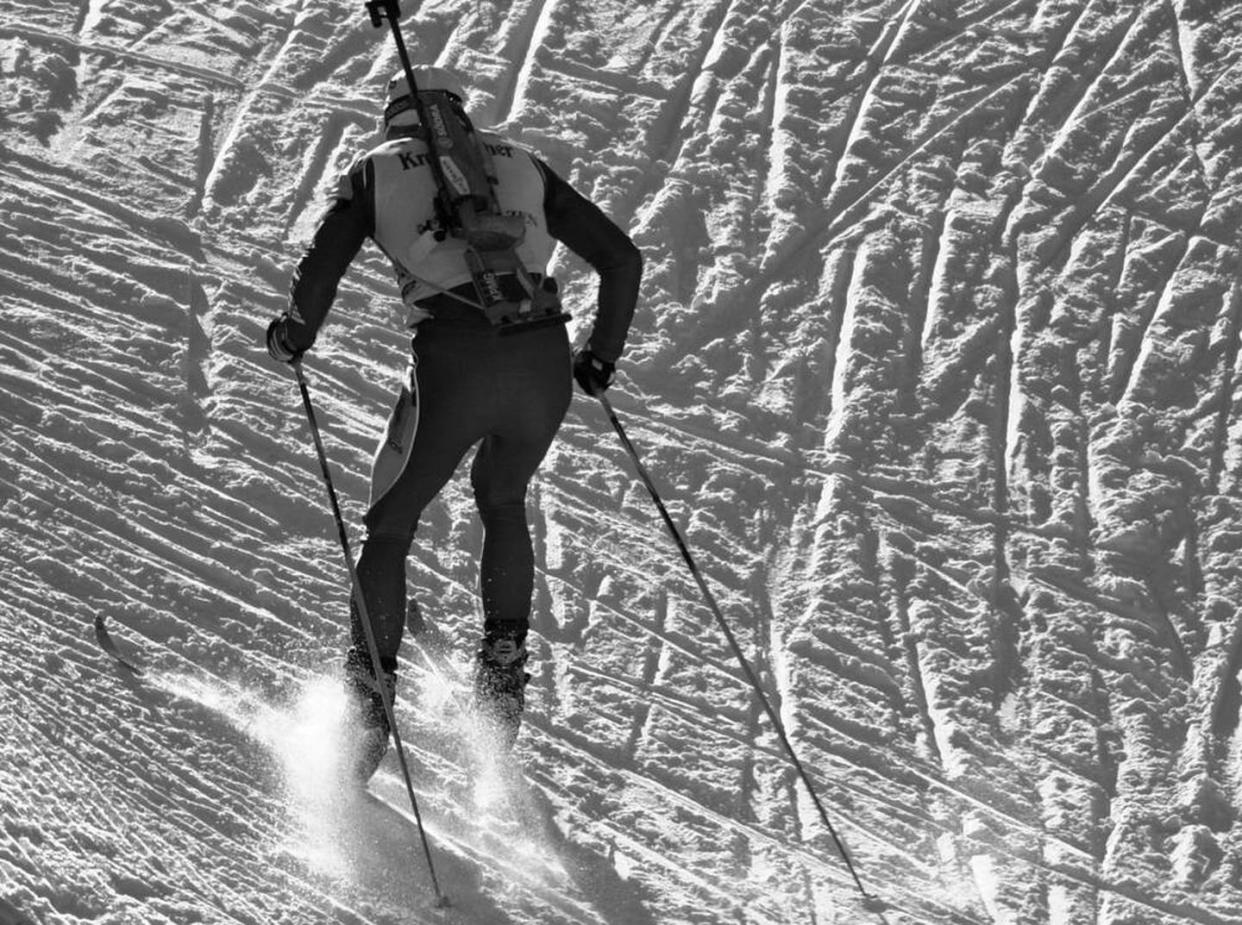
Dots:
pixel 443 902
pixel 104 638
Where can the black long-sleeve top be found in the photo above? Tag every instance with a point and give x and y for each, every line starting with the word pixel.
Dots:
pixel 571 218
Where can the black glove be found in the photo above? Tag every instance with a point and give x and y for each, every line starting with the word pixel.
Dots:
pixel 593 374
pixel 278 346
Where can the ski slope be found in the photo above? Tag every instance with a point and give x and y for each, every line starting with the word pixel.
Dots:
pixel 937 364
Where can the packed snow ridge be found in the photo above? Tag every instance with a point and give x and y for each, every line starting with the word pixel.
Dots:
pixel 937 366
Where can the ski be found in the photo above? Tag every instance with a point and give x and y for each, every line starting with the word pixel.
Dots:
pixel 109 646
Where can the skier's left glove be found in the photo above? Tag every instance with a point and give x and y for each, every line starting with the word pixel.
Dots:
pixel 278 346
pixel 593 374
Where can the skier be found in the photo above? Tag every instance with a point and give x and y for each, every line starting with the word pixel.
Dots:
pixel 490 364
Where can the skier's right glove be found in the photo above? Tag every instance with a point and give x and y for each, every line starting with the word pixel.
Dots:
pixel 278 346
pixel 593 374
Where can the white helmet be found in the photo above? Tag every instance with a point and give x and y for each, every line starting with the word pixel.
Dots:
pixel 399 108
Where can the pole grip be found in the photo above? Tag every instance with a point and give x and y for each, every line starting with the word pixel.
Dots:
pixel 379 9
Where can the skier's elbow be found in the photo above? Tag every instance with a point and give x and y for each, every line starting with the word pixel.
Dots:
pixel 625 270
pixel 631 260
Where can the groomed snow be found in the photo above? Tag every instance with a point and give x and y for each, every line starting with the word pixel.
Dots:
pixel 937 365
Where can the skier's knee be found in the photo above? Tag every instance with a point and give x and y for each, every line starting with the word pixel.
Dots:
pixel 385 548
pixel 501 512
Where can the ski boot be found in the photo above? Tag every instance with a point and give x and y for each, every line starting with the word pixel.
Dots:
pixel 500 689
pixel 370 740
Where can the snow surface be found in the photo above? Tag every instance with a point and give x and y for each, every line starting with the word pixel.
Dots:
pixel 937 364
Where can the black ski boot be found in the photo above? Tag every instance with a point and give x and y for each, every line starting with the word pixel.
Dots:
pixel 500 689
pixel 367 710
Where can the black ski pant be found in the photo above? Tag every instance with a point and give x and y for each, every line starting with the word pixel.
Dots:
pixel 468 383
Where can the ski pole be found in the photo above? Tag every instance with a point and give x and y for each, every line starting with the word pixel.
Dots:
pixel 390 11
pixel 442 901
pixel 870 902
